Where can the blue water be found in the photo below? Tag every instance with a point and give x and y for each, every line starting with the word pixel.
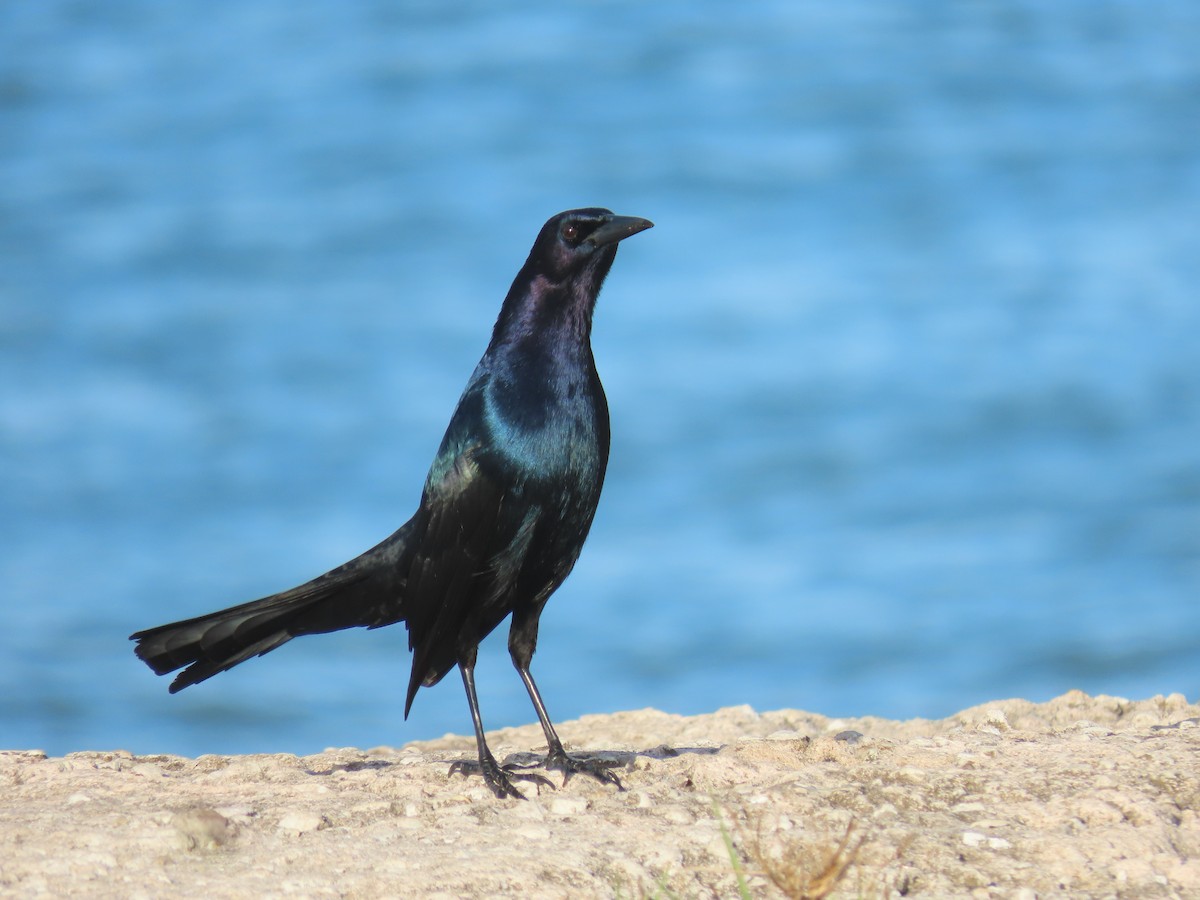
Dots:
pixel 905 384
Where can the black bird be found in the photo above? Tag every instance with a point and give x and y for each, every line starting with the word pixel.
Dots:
pixel 507 505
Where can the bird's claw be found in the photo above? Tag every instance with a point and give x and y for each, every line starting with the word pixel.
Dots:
pixel 500 777
pixel 497 777
pixel 575 765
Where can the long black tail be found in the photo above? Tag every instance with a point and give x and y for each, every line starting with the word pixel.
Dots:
pixel 365 592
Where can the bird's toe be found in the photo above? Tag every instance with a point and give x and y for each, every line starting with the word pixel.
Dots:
pixel 499 778
pixel 600 769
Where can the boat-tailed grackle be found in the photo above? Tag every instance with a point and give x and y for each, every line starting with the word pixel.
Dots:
pixel 507 505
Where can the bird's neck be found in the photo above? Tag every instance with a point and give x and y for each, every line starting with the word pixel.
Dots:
pixel 555 315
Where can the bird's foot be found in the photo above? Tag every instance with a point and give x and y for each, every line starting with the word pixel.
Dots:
pixel 561 761
pixel 497 777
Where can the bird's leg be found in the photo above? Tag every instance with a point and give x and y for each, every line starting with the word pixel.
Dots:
pixel 497 777
pixel 558 759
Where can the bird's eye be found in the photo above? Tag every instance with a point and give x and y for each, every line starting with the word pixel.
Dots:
pixel 570 232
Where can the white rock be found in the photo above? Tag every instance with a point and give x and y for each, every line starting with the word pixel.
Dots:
pixel 301 821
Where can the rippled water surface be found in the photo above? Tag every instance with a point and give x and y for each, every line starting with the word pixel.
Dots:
pixel 905 385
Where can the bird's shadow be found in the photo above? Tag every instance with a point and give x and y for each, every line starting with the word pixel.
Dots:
pixel 528 759
pixel 356 765
pixel 532 760
pixel 616 758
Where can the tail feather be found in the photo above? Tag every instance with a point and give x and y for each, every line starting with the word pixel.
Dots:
pixel 212 643
pixel 366 592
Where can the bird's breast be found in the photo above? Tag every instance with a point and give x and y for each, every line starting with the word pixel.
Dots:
pixel 553 426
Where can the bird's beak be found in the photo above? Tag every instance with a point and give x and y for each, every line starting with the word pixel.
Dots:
pixel 617 229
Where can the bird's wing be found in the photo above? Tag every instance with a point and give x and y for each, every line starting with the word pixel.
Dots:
pixel 466 558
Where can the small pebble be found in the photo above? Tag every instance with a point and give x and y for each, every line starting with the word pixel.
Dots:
pixel 202 828
pixel 977 839
pixel 301 821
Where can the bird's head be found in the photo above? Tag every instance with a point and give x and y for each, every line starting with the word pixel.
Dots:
pixel 565 270
pixel 581 241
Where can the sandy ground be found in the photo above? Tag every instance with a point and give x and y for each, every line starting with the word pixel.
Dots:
pixel 1082 796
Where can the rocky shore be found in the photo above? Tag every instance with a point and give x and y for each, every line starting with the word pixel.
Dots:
pixel 1081 796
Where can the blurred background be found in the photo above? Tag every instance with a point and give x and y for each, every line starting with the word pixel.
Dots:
pixel 905 385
